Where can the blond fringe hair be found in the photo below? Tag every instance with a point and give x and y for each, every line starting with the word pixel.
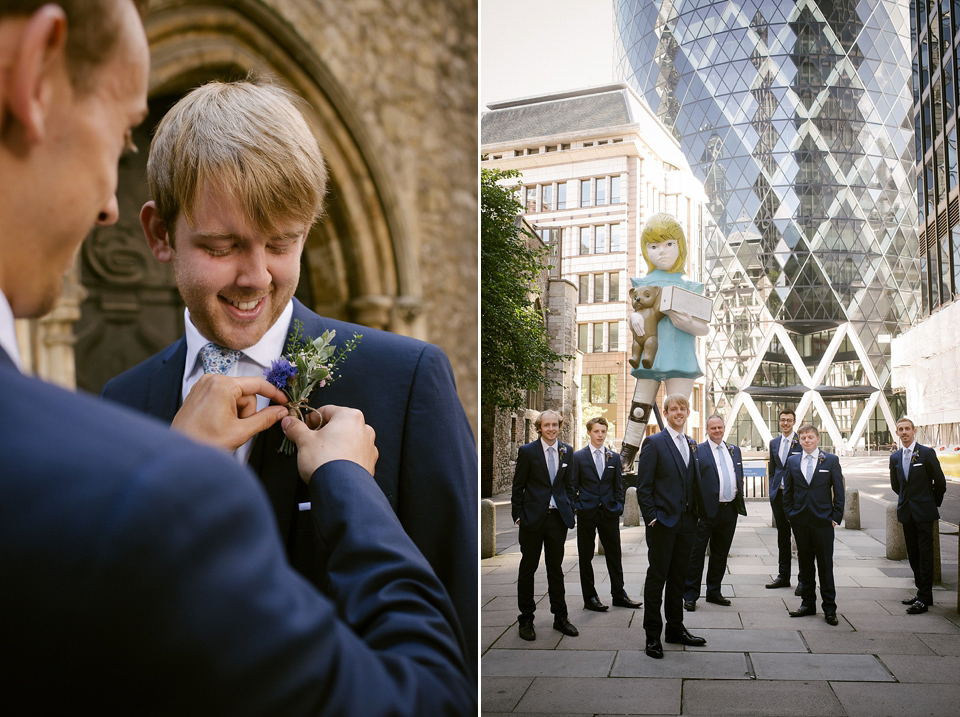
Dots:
pixel 244 138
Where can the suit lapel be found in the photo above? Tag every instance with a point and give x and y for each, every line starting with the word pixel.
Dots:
pixel 163 396
pixel 676 452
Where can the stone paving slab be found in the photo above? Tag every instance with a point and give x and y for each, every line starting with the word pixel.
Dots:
pixel 781 666
pixel 547 639
pixel 750 641
pixel 489 635
pixel 927 622
pixel 772 621
pixel 703 665
pixel 614 617
pixel 729 620
pixel 867 643
pixel 872 700
pixel 501 694
pixel 622 696
pixel 497 618
pixel 941 644
pixel 761 697
pixel 556 663
pixel 605 638
pixel 911 668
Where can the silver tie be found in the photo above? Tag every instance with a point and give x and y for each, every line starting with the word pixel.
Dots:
pixel 726 492
pixel 906 462
pixel 808 474
pixel 551 464
pixel 682 447
pixel 598 459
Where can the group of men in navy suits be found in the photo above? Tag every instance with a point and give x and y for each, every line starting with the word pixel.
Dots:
pixel 153 574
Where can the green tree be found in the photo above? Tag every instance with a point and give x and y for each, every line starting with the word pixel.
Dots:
pixel 514 347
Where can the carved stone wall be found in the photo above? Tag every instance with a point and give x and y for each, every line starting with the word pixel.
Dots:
pixel 390 91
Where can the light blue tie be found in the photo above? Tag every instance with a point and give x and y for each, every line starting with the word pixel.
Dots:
pixel 217 359
pixel 808 472
pixel 727 488
pixel 906 463
pixel 682 447
pixel 598 459
pixel 551 464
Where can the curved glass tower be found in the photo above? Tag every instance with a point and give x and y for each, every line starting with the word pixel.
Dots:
pixel 797 116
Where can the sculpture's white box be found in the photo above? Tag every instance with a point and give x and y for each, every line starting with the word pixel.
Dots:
pixel 673 297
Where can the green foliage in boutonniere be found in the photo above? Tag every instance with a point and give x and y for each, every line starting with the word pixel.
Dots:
pixel 307 364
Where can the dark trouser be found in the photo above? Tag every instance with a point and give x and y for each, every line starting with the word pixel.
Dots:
pixel 548 537
pixel 815 543
pixel 668 553
pixel 607 525
pixel 783 538
pixel 718 532
pixel 919 540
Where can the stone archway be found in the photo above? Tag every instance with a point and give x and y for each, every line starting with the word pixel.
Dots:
pixel 358 264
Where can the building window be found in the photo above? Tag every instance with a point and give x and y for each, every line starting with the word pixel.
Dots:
pixel 615 286
pixel 614 190
pixel 597 288
pixel 584 288
pixel 582 337
pixel 614 342
pixel 547 197
pixel 531 202
pixel 600 388
pixel 601 191
pixel 600 233
pixel 584 192
pixel 562 195
pixel 615 238
pixel 584 240
pixel 598 337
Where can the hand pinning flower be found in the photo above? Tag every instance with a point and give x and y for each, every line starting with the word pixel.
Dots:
pixel 306 365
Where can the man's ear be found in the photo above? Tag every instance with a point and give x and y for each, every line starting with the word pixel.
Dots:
pixel 155 229
pixel 35 66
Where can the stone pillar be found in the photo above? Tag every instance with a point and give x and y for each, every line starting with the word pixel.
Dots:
pixel 851 510
pixel 488 529
pixel 631 509
pixel 896 545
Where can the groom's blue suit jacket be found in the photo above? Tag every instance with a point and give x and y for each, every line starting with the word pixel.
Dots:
pixel 428 462
pixel 145 573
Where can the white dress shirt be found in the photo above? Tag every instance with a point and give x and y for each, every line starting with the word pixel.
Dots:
pixel 253 361
pixel 673 437
pixel 556 463
pixel 785 441
pixel 8 332
pixel 804 461
pixel 722 455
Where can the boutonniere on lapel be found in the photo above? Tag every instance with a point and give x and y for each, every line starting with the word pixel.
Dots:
pixel 795 444
pixel 729 449
pixel 820 459
pixel 915 458
pixel 307 364
pixel 563 454
pixel 692 444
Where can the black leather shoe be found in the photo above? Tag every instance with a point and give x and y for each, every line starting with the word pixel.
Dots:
pixel 565 626
pixel 831 618
pixel 689 605
pixel 625 601
pixel 526 631
pixel 909 601
pixel 778 583
pixel 718 600
pixel 799 591
pixel 654 649
pixel 917 608
pixel 685 638
pixel 804 611
pixel 594 604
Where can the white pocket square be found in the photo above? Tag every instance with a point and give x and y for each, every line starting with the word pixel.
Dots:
pixel 823 470
pixel 563 465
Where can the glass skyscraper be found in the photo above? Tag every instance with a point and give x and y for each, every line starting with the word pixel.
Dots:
pixel 797 116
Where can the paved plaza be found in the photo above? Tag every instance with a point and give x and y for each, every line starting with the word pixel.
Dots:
pixel 757 661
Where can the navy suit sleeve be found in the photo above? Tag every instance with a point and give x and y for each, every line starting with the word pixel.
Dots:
pixel 770 462
pixel 894 473
pixel 618 481
pixel 788 489
pixel 839 496
pixel 438 504
pixel 571 478
pixel 646 471
pixel 932 465
pixel 520 474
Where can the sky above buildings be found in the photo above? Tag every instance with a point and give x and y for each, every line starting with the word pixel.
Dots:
pixel 532 47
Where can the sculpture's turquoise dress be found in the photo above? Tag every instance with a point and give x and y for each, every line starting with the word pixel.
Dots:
pixel 676 350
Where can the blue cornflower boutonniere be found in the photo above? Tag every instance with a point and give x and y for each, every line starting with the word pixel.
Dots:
pixel 915 458
pixel 307 364
pixel 820 458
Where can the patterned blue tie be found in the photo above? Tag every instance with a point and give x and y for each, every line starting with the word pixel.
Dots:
pixel 217 359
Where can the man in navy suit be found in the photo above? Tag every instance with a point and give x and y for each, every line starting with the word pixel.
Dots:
pixel 781 448
pixel 140 568
pixel 813 501
pixel 721 492
pixel 917 479
pixel 542 505
pixel 598 506
pixel 668 494
pixel 237 269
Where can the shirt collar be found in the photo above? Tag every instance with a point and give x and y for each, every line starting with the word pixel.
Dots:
pixel 8 332
pixel 545 445
pixel 268 349
pixel 713 445
pixel 815 454
pixel 911 447
pixel 788 438
pixel 673 433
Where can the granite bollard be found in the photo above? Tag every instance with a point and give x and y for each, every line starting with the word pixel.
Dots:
pixel 488 528
pixel 631 509
pixel 896 545
pixel 851 510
